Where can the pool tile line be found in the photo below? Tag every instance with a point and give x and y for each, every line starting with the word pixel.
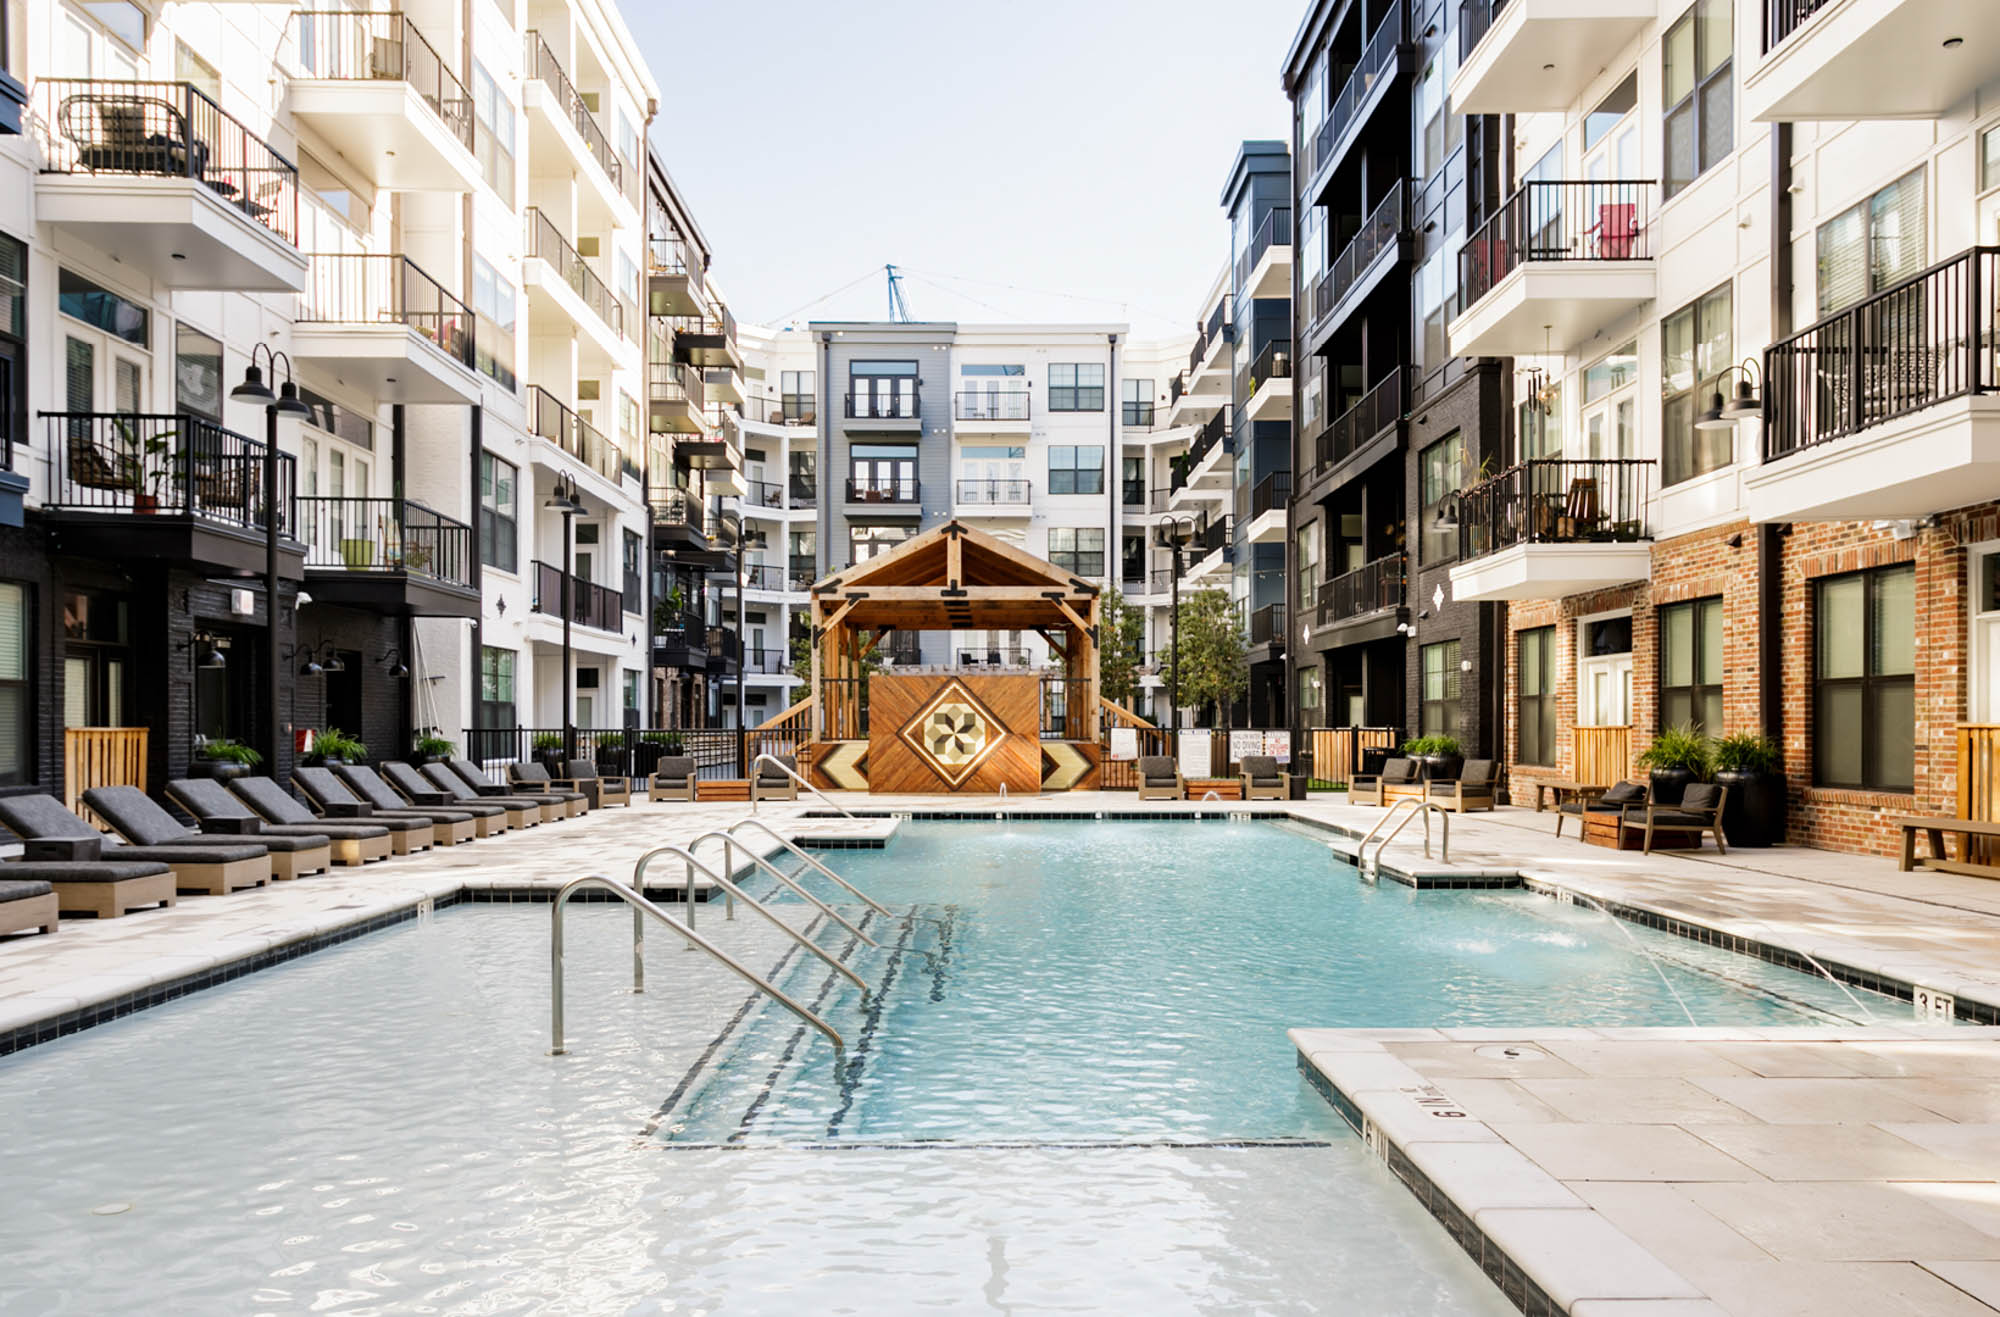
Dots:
pixel 1005 1145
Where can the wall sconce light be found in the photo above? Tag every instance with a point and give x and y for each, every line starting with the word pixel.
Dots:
pixel 393 660
pixel 207 653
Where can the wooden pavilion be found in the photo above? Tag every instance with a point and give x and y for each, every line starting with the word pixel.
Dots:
pixel 966 728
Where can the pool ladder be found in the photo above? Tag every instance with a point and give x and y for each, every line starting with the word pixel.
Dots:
pixel 792 773
pixel 1425 808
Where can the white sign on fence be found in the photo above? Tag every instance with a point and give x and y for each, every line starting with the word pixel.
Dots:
pixel 1244 743
pixel 1125 743
pixel 1195 751
pixel 1278 745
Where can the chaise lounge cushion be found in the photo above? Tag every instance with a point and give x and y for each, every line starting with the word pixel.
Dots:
pixel 146 825
pixel 209 800
pixel 1262 770
pixel 285 814
pixel 20 889
pixel 476 777
pixel 44 816
pixel 31 817
pixel 460 790
pixel 368 784
pixel 40 873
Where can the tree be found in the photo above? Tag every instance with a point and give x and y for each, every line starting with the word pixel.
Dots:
pixel 1213 655
pixel 802 658
pixel 1121 638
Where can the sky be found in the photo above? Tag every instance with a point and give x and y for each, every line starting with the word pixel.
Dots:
pixel 1036 160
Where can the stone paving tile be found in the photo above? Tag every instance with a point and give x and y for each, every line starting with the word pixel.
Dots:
pixel 1863 1289
pixel 1609 1060
pixel 1861 1152
pixel 1973 1147
pixel 1822 1101
pixel 1622 1152
pixel 1648 1100
pixel 1841 1222
pixel 1578 1255
pixel 1495 1101
pixel 1674 1229
pixel 1979 1279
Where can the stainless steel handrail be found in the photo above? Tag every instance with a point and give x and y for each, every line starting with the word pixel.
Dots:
pixel 792 773
pixel 1425 809
pixel 1384 822
pixel 732 844
pixel 682 853
pixel 641 908
pixel 767 830
pixel 687 873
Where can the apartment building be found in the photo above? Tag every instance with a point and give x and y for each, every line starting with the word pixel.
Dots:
pixel 333 310
pixel 1391 421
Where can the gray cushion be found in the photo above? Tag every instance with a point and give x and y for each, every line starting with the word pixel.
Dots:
pixel 1261 769
pixel 192 852
pixel 1155 766
pixel 674 769
pixel 461 791
pixel 1477 774
pixel 136 817
pixel 1624 793
pixel 80 871
pixel 1399 771
pixel 41 816
pixel 207 799
pixel 527 771
pixel 770 772
pixel 20 889
pixel 271 800
pixel 371 788
pixel 410 782
pixel 473 775
pixel 1674 818
pixel 283 840
pixel 581 770
pixel 321 786
pixel 1702 798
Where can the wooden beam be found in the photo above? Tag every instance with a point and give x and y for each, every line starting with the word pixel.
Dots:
pixel 970 594
pixel 954 557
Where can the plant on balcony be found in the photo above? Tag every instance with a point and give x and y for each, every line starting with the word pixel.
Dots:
pixel 431 748
pixel 1678 756
pixel 334 746
pixel 222 759
pixel 1210 663
pixel 1122 631
pixel 1443 757
pixel 1751 766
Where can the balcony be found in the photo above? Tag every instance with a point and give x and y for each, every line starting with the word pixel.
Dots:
pixel 1375 590
pixel 158 177
pixel 676 398
pixel 679 519
pixel 384 324
pixel 768 577
pixel 766 661
pixel 724 385
pixel 707 340
pixel 1210 553
pixel 1270 508
pixel 1832 59
pixel 1204 471
pixel 1265 270
pixel 990 411
pixel 1136 415
pixel 1385 55
pixel 680 640
pixel 176 488
pixel 388 556
pixel 380 94
pixel 1208 369
pixel 896 410
pixel 725 651
pixel 560 282
pixel 1267 631
pixel 803 572
pixel 1888 409
pixel 1270 383
pixel 800 409
pixel 802 492
pixel 1369 255
pixel 598 607
pixel 673 278
pixel 561 126
pixel 1557 264
pixel 716 451
pixel 549 419
pixel 883 496
pixel 992 498
pixel 1552 527
pixel 1521 56
pixel 763 494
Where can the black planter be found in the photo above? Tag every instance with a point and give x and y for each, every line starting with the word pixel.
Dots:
pixel 218 770
pixel 646 757
pixel 1373 757
pixel 611 762
pixel 1753 813
pixel 419 759
pixel 1670 783
pixel 551 760
pixel 1442 768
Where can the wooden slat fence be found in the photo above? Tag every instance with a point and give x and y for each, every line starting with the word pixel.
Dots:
pixel 101 757
pixel 1603 754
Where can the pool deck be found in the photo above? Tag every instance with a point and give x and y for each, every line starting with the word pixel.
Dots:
pixel 1658 1172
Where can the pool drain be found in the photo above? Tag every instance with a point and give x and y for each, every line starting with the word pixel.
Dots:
pixel 1511 1052
pixel 110 1209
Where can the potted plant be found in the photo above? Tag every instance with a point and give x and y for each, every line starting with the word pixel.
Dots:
pixel 650 748
pixel 1442 757
pixel 334 746
pixel 548 751
pixel 431 748
pixel 610 753
pixel 1678 757
pixel 357 552
pixel 1751 766
pixel 223 759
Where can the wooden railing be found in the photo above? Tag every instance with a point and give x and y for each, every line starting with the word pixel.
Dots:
pixel 101 757
pixel 798 716
pixel 1603 754
pixel 1979 771
pixel 1337 750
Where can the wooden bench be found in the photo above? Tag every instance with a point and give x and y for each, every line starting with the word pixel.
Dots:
pixel 733 789
pixel 1225 788
pixel 1940 859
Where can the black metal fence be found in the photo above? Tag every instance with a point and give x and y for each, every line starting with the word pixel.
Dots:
pixel 1559 220
pixel 1784 17
pixel 1272 494
pixel 675 381
pixel 993 405
pixel 1557 501
pixel 343 45
pixel 882 489
pixel 357 288
pixel 385 535
pixel 590 604
pixel 543 64
pixel 636 751
pixel 1378 232
pixel 1369 588
pixel 1275 231
pixel 1475 20
pixel 149 464
pixel 985 492
pixel 1267 625
pixel 1377 410
pixel 1377 62
pixel 550 420
pixel 886 404
pixel 545 242
pixel 677 507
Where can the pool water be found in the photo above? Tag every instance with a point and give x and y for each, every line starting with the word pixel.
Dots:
pixel 1086 1102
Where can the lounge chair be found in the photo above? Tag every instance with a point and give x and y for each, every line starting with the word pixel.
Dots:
pixel 1160 778
pixel 1700 811
pixel 673 778
pixel 1262 780
pixel 530 776
pixel 355 841
pixel 773 782
pixel 522 811
pixel 365 782
pixel 602 790
pixel 219 814
pixel 60 849
pixel 28 905
pixel 435 827
pixel 555 804
pixel 1477 787
pixel 495 816
pixel 1613 802
pixel 1373 788
pixel 137 818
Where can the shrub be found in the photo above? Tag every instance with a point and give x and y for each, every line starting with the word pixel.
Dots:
pixel 546 741
pixel 230 752
pixel 611 740
pixel 1748 752
pixel 1679 747
pixel 336 744
pixel 428 744
pixel 1432 745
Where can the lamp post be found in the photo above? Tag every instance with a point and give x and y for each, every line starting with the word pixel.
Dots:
pixel 1174 537
pixel 285 402
pixel 563 498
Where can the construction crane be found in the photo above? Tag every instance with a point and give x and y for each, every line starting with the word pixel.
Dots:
pixel 899 310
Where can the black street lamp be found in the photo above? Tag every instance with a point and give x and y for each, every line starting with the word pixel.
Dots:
pixel 564 498
pixel 1172 535
pixel 285 402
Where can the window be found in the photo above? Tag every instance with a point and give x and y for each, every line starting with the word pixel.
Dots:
pixel 498 507
pixel 1132 482
pixel 1076 468
pixel 1691 665
pixel 1137 400
pixel 121 18
pixel 1864 698
pixel 635 560
pixel 13 351
pixel 196 71
pixel 16 643
pixel 988 370
pixel 628 421
pixel 1873 244
pixel 882 473
pixel 14 43
pixel 628 139
pixel 493 307
pixel 1443 466
pixel 1438 132
pixel 1700 100
pixel 79 297
pixel 865 542
pixel 798 387
pixel 1076 386
pixel 1604 671
pixel 1535 677
pixel 631 684
pixel 349 426
pixel 492 132
pixel 1077 549
pixel 1438 707
pixel 1989 160
pixel 1610 112
pixel 496 687
pixel 1308 566
pixel 197 372
pixel 882 389
pixel 1697 348
pixel 1309 692
pixel 1541 421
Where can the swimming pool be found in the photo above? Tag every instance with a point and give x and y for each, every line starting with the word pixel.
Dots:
pixel 1088 1099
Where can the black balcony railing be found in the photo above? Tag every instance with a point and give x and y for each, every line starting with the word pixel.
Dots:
pixel 802 491
pixel 763 494
pixel 385 535
pixel 1377 60
pixel 1272 494
pixel 1218 321
pixel 1559 220
pixel 1267 625
pixel 1215 431
pixel 1784 17
pixel 800 409
pixel 341 46
pixel 166 130
pixel 543 64
pixel 725 648
pixel 1910 346
pixel 596 606
pixel 666 256
pixel 990 658
pixel 545 242
pixel 886 404
pixel 1475 19
pixel 1369 588
pixel 803 572
pixel 764 576
pixel 143 464
pixel 769 660
pixel 1556 501
pixel 1378 233
pixel 550 420
pixel 1216 534
pixel 1175 388
pixel 1135 415
pixel 1198 352
pixel 680 639
pixel 1273 363
pixel 677 508
pixel 676 381
pixel 881 489
pixel 1377 410
pixel 978 405
pixel 1132 494
pixel 1275 231
pixel 354 289
pixel 988 493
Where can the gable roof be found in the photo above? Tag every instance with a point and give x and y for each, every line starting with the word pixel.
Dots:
pixel 956 578
pixel 984 560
